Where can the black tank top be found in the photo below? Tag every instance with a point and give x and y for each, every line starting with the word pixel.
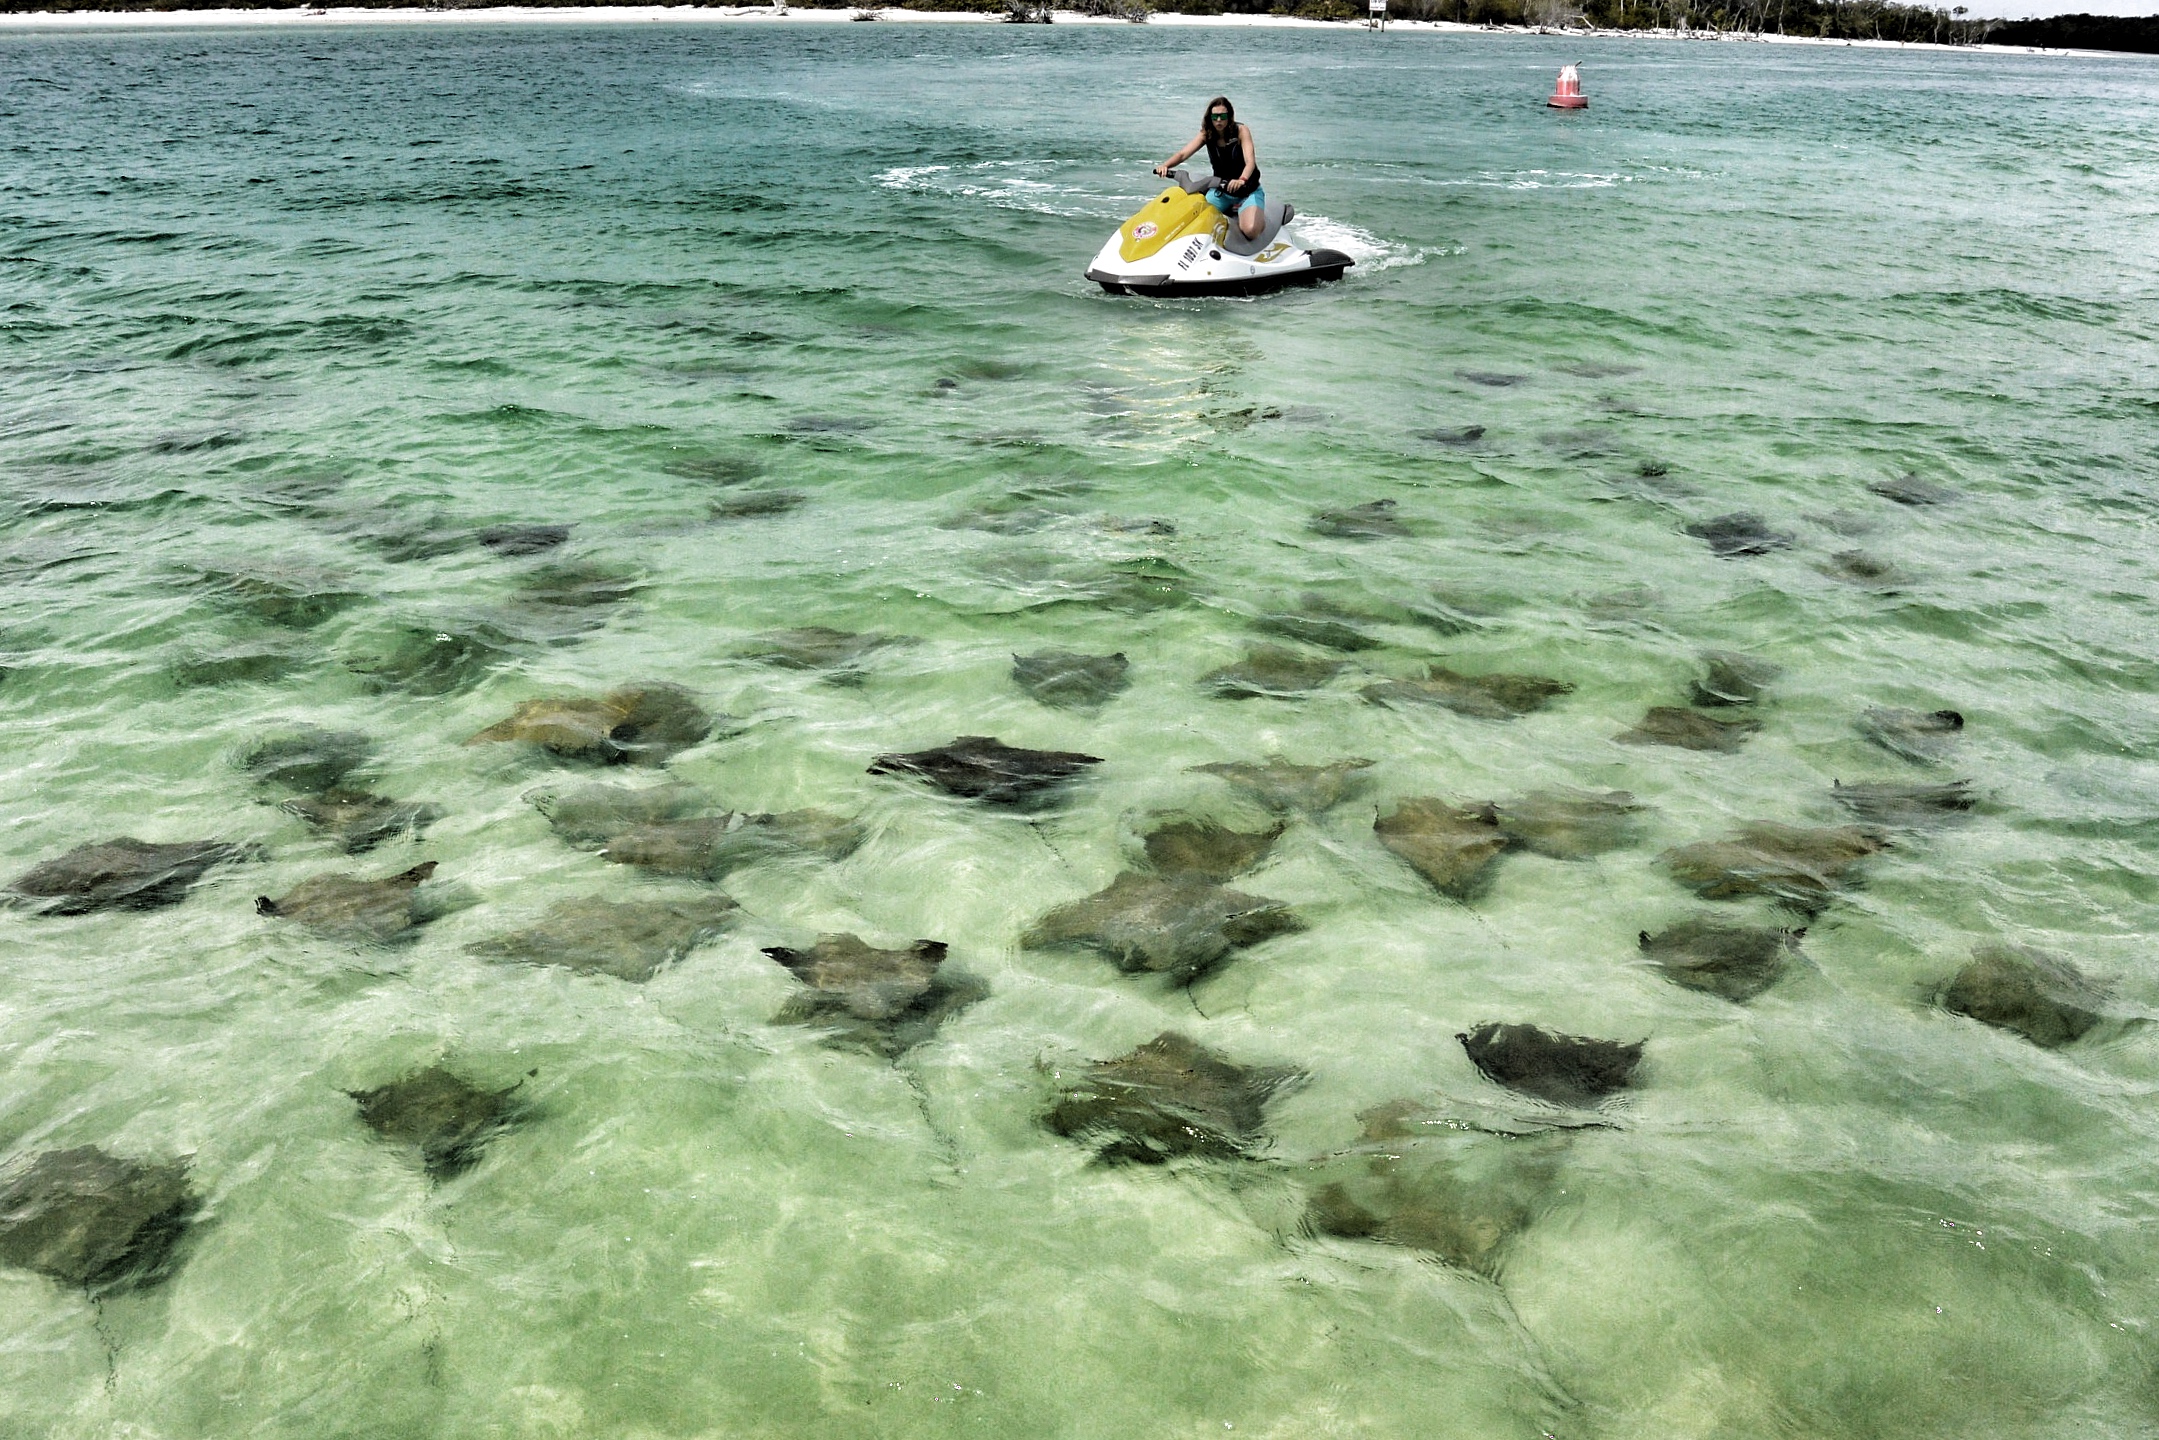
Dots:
pixel 1228 156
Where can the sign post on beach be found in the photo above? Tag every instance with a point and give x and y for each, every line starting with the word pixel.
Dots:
pixel 1379 15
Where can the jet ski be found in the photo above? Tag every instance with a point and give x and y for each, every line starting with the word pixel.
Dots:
pixel 1178 244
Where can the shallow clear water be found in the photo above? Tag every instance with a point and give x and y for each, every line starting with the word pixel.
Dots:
pixel 290 306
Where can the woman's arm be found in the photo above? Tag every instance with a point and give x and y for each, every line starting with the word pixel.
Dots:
pixel 1182 155
pixel 1251 159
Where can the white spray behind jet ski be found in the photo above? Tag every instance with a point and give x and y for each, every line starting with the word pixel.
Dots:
pixel 1178 244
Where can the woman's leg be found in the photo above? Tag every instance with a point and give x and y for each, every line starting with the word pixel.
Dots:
pixel 1250 219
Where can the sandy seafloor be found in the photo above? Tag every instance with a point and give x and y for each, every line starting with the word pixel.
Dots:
pixel 290 313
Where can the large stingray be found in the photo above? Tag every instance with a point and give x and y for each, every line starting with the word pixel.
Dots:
pixel 1453 846
pixel 757 504
pixel 1270 671
pixel 591 815
pixel 1282 786
pixel 1911 488
pixel 1486 697
pixel 638 724
pixel 307 758
pixel 1168 1099
pixel 431 660
pixel 522 539
pixel 1858 567
pixel 1689 730
pixel 1907 806
pixel 2042 997
pixel 1737 962
pixel 709 847
pixel 600 937
pixel 345 907
pixel 1182 926
pixel 295 597
pixel 980 767
pixel 1730 678
pixel 1206 849
pixel 1373 520
pixel 1740 533
pixel 359 821
pixel 816 647
pixel 576 585
pixel 1922 735
pixel 1571 824
pixel 1564 1069
pixel 884 1001
pixel 443 1117
pixel 1069 680
pixel 234 664
pixel 121 874
pixel 89 1218
pixel 1799 865
pixel 1315 630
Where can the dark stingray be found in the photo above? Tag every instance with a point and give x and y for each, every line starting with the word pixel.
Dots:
pixel 638 724
pixel 1170 1099
pixel 345 907
pixel 358 821
pixel 592 815
pixel 1182 926
pixel 1564 1069
pixel 757 504
pixel 88 1218
pixel 1860 568
pixel 1003 518
pixel 722 469
pixel 599 937
pixel 1913 489
pixel 441 1116
pixel 1069 680
pixel 1921 735
pixel 979 767
pixel 1282 786
pixel 1599 369
pixel 1486 697
pixel 883 1001
pixel 1270 672
pixel 424 660
pixel 576 585
pixel 2042 997
pixel 1373 520
pixel 1453 846
pixel 1737 962
pixel 307 759
pixel 1907 806
pixel 1732 679
pixel 1571 824
pixel 711 847
pixel 1739 533
pixel 522 539
pixel 1689 730
pixel 1798 865
pixel 237 664
pixel 1496 379
pixel 291 596
pixel 121 874
pixel 1314 630
pixel 815 647
pixel 1203 848
pixel 1458 438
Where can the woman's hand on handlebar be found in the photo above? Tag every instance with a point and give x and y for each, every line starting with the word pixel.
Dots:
pixel 1162 170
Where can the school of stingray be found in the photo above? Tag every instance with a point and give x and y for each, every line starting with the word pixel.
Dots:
pixel 1453 1187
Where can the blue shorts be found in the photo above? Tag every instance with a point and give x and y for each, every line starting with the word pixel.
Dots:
pixel 1230 204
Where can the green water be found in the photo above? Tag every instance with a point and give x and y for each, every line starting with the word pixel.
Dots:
pixel 291 306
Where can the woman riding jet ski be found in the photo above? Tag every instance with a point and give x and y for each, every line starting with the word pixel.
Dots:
pixel 1182 242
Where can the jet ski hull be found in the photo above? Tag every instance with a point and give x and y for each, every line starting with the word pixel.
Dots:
pixel 1178 244
pixel 1325 265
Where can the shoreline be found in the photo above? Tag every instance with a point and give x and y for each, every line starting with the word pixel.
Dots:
pixel 328 17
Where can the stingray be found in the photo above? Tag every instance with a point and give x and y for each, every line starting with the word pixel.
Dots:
pixel 1689 730
pixel 1270 671
pixel 2042 997
pixel 1571 824
pixel 599 937
pixel 815 647
pixel 1485 697
pixel 424 660
pixel 1737 962
pixel 1600 369
pixel 1203 848
pixel 710 847
pixel 85 1217
pixel 230 665
pixel 1921 735
pixel 1282 786
pixel 638 724
pixel 1797 865
pixel 1564 1069
pixel 359 821
pixel 295 598
pixel 1458 438
pixel 592 815
pixel 307 758
pixel 1313 630
pixel 1860 568
pixel 121 874
pixel 1004 518
pixel 719 469
pixel 1373 520
pixel 1068 680
pixel 1169 1099
pixel 979 767
pixel 883 1001
pixel 1739 533
pixel 446 1119
pixel 1495 379
pixel 1732 679
pixel 522 539
pixel 345 907
pixel 1453 846
pixel 576 585
pixel 757 504
pixel 1907 806
pixel 1136 587
pixel 1914 489
pixel 1182 926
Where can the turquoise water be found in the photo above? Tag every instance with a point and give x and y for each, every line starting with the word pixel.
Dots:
pixel 292 314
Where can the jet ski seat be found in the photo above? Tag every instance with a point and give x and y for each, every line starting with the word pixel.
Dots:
pixel 1276 216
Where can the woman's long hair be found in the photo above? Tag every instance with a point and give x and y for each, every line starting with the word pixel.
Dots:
pixel 1206 124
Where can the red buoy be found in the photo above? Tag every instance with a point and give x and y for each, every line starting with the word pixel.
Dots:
pixel 1567 94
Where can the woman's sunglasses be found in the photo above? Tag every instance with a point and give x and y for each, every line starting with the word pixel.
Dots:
pixel 1218 115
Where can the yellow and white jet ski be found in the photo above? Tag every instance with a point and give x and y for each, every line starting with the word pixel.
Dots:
pixel 1178 244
